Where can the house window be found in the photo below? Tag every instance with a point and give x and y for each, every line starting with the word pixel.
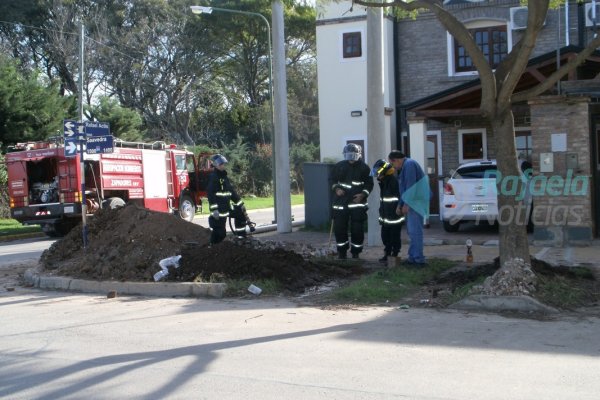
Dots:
pixel 493 42
pixel 472 145
pixel 352 45
pixel 523 144
pixel 492 38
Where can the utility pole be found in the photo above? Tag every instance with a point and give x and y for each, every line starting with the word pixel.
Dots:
pixel 84 230
pixel 283 207
pixel 375 114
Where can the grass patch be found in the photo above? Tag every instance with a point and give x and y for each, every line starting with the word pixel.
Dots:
pixel 463 291
pixel 390 285
pixel 256 203
pixel 559 291
pixel 9 227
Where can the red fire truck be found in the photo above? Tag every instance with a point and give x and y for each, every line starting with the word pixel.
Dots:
pixel 45 187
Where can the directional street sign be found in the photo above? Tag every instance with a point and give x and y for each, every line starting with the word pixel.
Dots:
pixel 99 144
pixel 72 128
pixel 96 128
pixel 70 147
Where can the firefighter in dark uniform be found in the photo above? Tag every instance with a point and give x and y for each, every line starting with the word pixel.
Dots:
pixel 223 202
pixel 351 185
pixel 390 218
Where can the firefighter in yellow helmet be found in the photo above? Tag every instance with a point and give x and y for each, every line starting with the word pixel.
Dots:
pixel 389 218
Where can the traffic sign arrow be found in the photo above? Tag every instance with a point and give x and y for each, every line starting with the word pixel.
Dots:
pixel 70 148
pixel 72 128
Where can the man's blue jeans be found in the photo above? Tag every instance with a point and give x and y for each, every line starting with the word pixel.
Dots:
pixel 414 228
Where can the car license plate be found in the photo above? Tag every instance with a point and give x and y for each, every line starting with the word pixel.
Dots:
pixel 479 208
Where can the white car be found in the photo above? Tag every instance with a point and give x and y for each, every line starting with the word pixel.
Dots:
pixel 471 195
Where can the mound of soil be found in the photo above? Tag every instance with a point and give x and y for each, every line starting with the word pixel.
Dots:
pixel 127 244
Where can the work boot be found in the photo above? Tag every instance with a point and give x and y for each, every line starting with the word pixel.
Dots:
pixel 395 259
pixel 383 259
pixel 342 255
pixel 355 255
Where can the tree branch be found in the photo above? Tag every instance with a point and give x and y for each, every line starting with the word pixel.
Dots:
pixel 514 67
pixel 558 74
pixel 458 30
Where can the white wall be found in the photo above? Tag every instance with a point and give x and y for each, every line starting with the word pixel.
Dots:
pixel 342 83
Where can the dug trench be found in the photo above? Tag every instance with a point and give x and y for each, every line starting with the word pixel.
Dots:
pixel 127 244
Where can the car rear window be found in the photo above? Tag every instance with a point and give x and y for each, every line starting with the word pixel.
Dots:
pixel 475 172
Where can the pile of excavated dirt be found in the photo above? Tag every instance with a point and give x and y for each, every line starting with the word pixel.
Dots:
pixel 127 243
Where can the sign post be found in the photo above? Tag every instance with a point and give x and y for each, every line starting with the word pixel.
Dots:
pixel 99 140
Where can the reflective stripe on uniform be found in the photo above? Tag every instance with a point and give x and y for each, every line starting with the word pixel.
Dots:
pixel 392 221
pixel 223 194
pixel 342 244
pixel 389 199
pixel 356 205
pixel 356 246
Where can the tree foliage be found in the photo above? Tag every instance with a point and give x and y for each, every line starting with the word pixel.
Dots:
pixel 191 79
pixel 29 108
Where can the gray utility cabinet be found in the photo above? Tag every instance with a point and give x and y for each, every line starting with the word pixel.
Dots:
pixel 317 195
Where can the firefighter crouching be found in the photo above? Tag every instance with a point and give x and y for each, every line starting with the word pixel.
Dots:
pixel 224 202
pixel 351 185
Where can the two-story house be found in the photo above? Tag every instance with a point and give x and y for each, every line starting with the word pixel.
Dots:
pixel 431 86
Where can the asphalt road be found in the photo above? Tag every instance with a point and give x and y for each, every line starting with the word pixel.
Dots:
pixel 65 346
pixel 56 345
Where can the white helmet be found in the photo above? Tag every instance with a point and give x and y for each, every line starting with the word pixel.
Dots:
pixel 352 152
pixel 218 159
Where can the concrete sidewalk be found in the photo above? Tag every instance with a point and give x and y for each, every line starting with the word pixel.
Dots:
pixel 441 244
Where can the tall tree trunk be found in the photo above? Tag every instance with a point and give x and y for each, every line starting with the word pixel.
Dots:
pixel 515 276
pixel 512 215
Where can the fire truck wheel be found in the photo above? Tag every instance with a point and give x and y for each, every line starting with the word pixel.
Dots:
pixel 187 208
pixel 113 202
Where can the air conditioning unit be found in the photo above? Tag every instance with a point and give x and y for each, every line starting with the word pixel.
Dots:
pixel 518 18
pixel 588 14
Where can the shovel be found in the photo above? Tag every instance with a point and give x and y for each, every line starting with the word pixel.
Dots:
pixel 331 251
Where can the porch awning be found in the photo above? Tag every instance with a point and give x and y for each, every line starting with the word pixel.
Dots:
pixel 465 98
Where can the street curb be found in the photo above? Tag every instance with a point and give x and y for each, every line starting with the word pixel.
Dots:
pixel 155 289
pixel 523 304
pixel 10 238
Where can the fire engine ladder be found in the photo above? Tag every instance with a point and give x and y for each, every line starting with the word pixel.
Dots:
pixel 158 145
pixel 170 188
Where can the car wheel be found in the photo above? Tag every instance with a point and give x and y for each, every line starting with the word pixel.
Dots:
pixel 448 227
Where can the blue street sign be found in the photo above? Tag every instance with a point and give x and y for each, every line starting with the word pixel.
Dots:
pixel 96 128
pixel 72 128
pixel 70 147
pixel 100 144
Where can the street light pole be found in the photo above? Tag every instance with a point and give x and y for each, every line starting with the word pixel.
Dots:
pixel 209 10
